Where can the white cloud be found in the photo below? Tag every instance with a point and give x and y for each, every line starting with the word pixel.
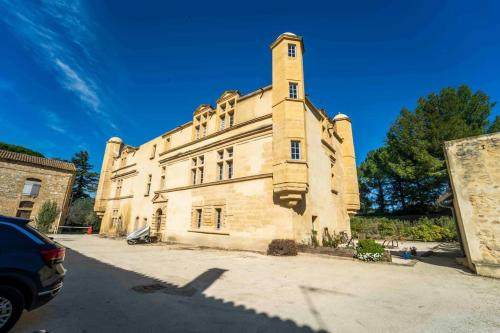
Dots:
pixel 59 33
pixel 54 122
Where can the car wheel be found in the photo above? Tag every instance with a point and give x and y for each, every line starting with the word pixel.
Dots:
pixel 11 307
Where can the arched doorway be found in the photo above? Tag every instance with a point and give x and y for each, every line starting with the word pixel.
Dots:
pixel 158 220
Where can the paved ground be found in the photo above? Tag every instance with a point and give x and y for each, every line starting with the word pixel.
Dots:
pixel 113 287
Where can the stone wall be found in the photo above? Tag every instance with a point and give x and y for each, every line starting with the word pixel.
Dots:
pixel 474 168
pixel 55 185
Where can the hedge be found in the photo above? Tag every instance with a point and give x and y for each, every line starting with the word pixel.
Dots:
pixel 428 229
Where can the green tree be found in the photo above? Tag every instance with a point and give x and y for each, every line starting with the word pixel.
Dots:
pixel 373 176
pixel 495 126
pixel 47 215
pixel 85 179
pixel 411 173
pixel 19 149
pixel 82 213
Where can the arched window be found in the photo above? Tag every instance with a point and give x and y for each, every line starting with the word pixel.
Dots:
pixel 32 187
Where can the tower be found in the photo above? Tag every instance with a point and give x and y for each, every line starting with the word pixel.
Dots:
pixel 290 179
pixel 113 147
pixel 350 193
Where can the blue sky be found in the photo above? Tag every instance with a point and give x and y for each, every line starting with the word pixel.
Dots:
pixel 74 73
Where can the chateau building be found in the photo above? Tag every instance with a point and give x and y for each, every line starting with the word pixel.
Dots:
pixel 249 169
pixel 26 182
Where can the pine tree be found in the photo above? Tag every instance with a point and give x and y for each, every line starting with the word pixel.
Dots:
pixel 85 179
pixel 409 172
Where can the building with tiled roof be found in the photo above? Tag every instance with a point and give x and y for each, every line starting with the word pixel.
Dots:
pixel 27 181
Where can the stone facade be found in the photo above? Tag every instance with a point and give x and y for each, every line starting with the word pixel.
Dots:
pixel 474 168
pixel 26 182
pixel 250 169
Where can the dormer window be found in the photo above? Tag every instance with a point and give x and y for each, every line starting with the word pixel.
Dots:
pixel 222 122
pixel 153 152
pixel 291 50
pixel 293 90
pixel 231 119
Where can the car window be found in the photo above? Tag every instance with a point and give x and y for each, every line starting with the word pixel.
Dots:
pixel 11 238
pixel 38 234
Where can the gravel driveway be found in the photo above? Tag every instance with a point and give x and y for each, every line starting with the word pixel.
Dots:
pixel 114 287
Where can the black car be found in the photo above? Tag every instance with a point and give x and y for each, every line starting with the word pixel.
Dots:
pixel 31 270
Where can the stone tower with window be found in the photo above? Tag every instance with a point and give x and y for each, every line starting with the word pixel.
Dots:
pixel 289 140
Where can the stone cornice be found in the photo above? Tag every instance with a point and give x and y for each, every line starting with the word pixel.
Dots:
pixel 119 198
pixel 267 116
pixel 124 167
pixel 208 231
pixel 328 145
pixel 129 173
pixel 218 182
pixel 335 134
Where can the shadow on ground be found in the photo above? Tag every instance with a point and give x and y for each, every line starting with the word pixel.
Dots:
pixel 98 297
pixel 444 254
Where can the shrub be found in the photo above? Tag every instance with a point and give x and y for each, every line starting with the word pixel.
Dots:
pixel 282 247
pixel 82 213
pixel 425 228
pixel 329 240
pixel 369 250
pixel 314 238
pixel 46 215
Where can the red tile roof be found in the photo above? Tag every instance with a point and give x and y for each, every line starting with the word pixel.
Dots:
pixel 40 161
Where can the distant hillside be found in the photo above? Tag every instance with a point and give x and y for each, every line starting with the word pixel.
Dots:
pixel 19 149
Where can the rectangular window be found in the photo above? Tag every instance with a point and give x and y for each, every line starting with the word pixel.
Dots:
pixel 148 185
pixel 218 218
pixel 291 50
pixel 199 215
pixel 204 130
pixel 222 122
pixel 167 143
pixel 118 188
pixel 197 132
pixel 293 91
pixel 231 119
pixel 25 214
pixel 193 176
pixel 295 150
pixel 200 171
pixel 229 169
pixel 32 187
pixel 153 151
pixel 220 171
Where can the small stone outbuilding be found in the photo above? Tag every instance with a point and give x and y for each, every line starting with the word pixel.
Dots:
pixel 26 182
pixel 474 168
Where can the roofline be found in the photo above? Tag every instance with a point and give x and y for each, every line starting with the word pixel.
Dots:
pixel 67 166
pixel 260 90
pixel 286 36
